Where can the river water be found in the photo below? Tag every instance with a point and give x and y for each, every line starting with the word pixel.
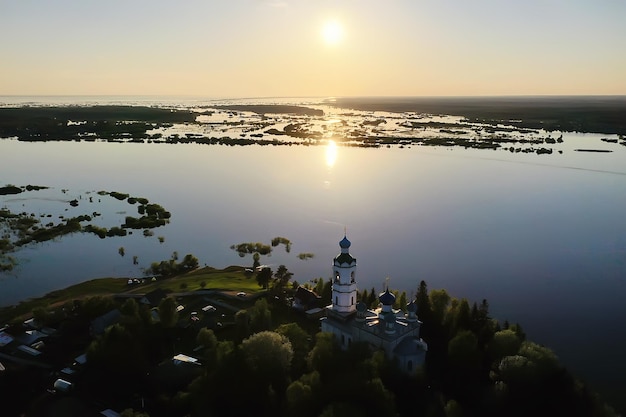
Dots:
pixel 541 237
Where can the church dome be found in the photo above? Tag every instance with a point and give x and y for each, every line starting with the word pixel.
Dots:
pixel 345 243
pixel 411 307
pixel 386 298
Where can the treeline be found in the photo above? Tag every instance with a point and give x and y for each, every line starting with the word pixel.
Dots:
pixel 75 123
pixel 268 367
pixel 172 266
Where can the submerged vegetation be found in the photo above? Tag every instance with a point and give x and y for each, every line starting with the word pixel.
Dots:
pixel 20 229
pixel 508 124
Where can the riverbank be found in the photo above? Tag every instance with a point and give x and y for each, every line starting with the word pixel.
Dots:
pixel 232 278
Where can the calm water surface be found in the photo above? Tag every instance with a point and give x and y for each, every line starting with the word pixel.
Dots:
pixel 542 238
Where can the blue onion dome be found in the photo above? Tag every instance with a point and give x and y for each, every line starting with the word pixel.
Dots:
pixel 345 243
pixel 386 298
pixel 361 307
pixel 411 307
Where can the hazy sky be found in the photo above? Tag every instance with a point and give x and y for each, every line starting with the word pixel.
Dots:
pixel 265 48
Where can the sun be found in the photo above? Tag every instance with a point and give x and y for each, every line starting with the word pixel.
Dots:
pixel 332 32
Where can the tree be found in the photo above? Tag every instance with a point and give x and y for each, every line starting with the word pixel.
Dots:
pixel 189 262
pixel 167 312
pixel 323 356
pixel 372 300
pixel 268 355
pixel 463 350
pixel 242 324
pixel 504 343
pixel 423 303
pixel 439 301
pixel 299 342
pixel 263 277
pixel 299 398
pixel 260 315
pixel 130 308
pixel 206 337
pixel 282 276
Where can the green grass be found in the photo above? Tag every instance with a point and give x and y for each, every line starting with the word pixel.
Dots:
pixel 101 286
pixel 231 278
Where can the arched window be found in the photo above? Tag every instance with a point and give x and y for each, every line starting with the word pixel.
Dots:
pixel 337 300
pixel 337 277
pixel 351 301
pixel 343 340
pixel 352 277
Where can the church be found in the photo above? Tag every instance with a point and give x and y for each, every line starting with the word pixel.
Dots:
pixel 396 333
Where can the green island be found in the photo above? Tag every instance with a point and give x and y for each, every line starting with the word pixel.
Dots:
pixel 198 342
pixel 18 230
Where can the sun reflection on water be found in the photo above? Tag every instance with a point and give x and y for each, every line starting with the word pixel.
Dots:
pixel 331 153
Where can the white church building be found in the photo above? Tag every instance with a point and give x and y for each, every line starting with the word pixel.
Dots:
pixel 396 333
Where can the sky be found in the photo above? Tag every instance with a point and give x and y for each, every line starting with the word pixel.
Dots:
pixel 280 48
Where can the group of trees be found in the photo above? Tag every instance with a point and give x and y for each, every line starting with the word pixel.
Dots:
pixel 172 267
pixel 266 365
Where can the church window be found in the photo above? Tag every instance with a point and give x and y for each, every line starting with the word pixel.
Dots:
pixel 337 300
pixel 343 340
pixel 351 301
pixel 409 366
pixel 337 277
pixel 352 277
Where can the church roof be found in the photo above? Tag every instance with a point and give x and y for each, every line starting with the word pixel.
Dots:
pixel 409 346
pixel 386 298
pixel 411 307
pixel 344 258
pixel 345 243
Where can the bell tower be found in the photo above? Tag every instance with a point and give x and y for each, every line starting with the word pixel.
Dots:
pixel 344 280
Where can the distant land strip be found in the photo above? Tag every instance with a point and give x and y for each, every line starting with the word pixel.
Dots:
pixel 585 114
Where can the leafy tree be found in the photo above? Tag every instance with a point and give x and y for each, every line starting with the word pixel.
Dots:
pixel 260 316
pixel 299 398
pixel 504 343
pixel 439 301
pixel 167 312
pixel 41 316
pixel 462 319
pixel 300 343
pixel 463 350
pixel 263 277
pixel 206 337
pixel 130 308
pixel 189 262
pixel 323 356
pixel 327 292
pixel 242 324
pixel 282 276
pixel 268 355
